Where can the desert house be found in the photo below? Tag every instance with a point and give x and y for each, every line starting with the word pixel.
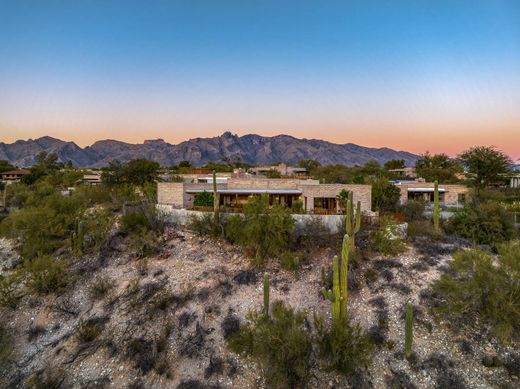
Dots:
pixel 14 175
pixel 234 192
pixel 449 194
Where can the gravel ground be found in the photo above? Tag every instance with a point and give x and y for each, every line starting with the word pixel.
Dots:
pixel 207 280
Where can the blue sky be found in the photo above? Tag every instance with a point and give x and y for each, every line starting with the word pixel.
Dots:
pixel 378 73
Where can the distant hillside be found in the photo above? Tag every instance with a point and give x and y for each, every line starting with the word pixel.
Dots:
pixel 253 149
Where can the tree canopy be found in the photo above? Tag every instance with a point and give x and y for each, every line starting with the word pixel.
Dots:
pixel 485 165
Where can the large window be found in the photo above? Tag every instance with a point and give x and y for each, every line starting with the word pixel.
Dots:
pixel 327 203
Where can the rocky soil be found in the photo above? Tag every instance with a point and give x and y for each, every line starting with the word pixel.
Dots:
pixel 162 324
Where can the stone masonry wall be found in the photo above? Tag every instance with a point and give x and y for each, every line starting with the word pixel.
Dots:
pixel 362 193
pixel 451 194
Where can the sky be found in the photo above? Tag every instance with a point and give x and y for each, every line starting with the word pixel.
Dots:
pixel 411 75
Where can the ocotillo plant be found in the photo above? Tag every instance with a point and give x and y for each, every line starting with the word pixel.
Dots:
pixel 266 295
pixel 338 295
pixel 436 207
pixel 408 330
pixel 352 222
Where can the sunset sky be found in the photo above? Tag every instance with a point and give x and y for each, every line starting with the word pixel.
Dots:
pixel 411 75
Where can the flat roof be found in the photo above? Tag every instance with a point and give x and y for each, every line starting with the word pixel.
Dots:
pixel 248 191
pixel 425 190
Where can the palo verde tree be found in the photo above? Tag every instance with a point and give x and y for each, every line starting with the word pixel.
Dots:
pixel 485 165
pixel 438 167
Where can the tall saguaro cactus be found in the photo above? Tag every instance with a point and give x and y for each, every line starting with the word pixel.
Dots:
pixel 436 207
pixel 353 221
pixel 408 330
pixel 338 295
pixel 266 295
pixel 216 200
pixel 78 236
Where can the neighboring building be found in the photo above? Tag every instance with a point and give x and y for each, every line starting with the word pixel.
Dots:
pixel 281 169
pixel 14 175
pixel 514 180
pixel 93 179
pixel 449 194
pixel 314 197
pixel 406 172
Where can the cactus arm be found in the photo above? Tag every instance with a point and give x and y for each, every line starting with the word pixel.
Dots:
pixel 408 329
pixel 266 295
pixel 336 288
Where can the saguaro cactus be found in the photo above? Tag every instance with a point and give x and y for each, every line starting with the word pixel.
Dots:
pixel 78 236
pixel 353 221
pixel 338 295
pixel 408 330
pixel 266 295
pixel 216 202
pixel 436 207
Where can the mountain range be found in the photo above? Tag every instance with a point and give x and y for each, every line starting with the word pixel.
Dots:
pixel 253 149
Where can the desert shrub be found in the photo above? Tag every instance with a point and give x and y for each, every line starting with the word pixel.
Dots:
pixel 46 274
pixel 44 223
pixel 485 223
pixel 263 230
pixel 6 346
pixel 48 378
pixel 385 195
pixel 134 222
pixel 280 343
pixel 478 286
pixel 421 228
pixel 203 199
pixel 345 347
pixel 203 225
pixel 144 243
pixel 89 330
pixel 98 222
pixel 290 261
pixel 314 234
pixel 10 292
pixel 413 210
pixel 230 325
pixel 386 239
pixel 100 286
pixel 143 353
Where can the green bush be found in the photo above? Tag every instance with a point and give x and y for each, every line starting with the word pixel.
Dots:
pixel 46 274
pixel 482 289
pixel 291 261
pixel 98 223
pixel 203 199
pixel 346 348
pixel 203 225
pixel 263 230
pixel 10 292
pixel 385 195
pixel 422 228
pixel 144 243
pixel 281 344
pixel 413 210
pixel 386 238
pixel 484 223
